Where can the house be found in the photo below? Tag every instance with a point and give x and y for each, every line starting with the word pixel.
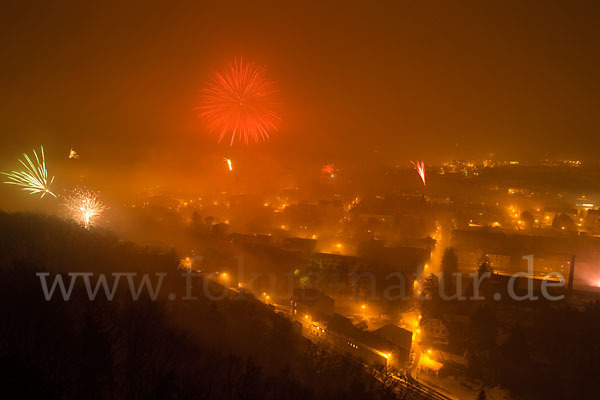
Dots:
pixel 435 331
pixel 400 337
pixel 362 345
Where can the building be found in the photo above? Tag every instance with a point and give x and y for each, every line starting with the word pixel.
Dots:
pixel 300 244
pixel 435 331
pixel 369 347
pixel 592 221
pixel 550 213
pixel 551 251
pixel 307 305
pixel 363 345
pixel 253 239
pixel 399 337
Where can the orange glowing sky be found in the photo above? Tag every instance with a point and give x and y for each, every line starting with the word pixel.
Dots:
pixel 393 81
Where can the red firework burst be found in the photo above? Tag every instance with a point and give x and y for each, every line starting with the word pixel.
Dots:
pixel 328 170
pixel 240 103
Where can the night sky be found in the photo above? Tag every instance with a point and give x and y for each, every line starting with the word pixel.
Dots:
pixel 359 82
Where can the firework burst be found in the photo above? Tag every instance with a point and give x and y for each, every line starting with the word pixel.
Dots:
pixel 240 104
pixel 34 179
pixel 85 207
pixel 328 170
pixel 420 167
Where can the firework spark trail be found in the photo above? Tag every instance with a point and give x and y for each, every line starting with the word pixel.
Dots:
pixel 420 167
pixel 35 177
pixel 73 154
pixel 328 170
pixel 229 164
pixel 85 207
pixel 240 102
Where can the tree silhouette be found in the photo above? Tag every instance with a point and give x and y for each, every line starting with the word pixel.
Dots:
pixel 527 220
pixel 563 222
pixel 449 267
pixel 145 349
pixel 481 395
